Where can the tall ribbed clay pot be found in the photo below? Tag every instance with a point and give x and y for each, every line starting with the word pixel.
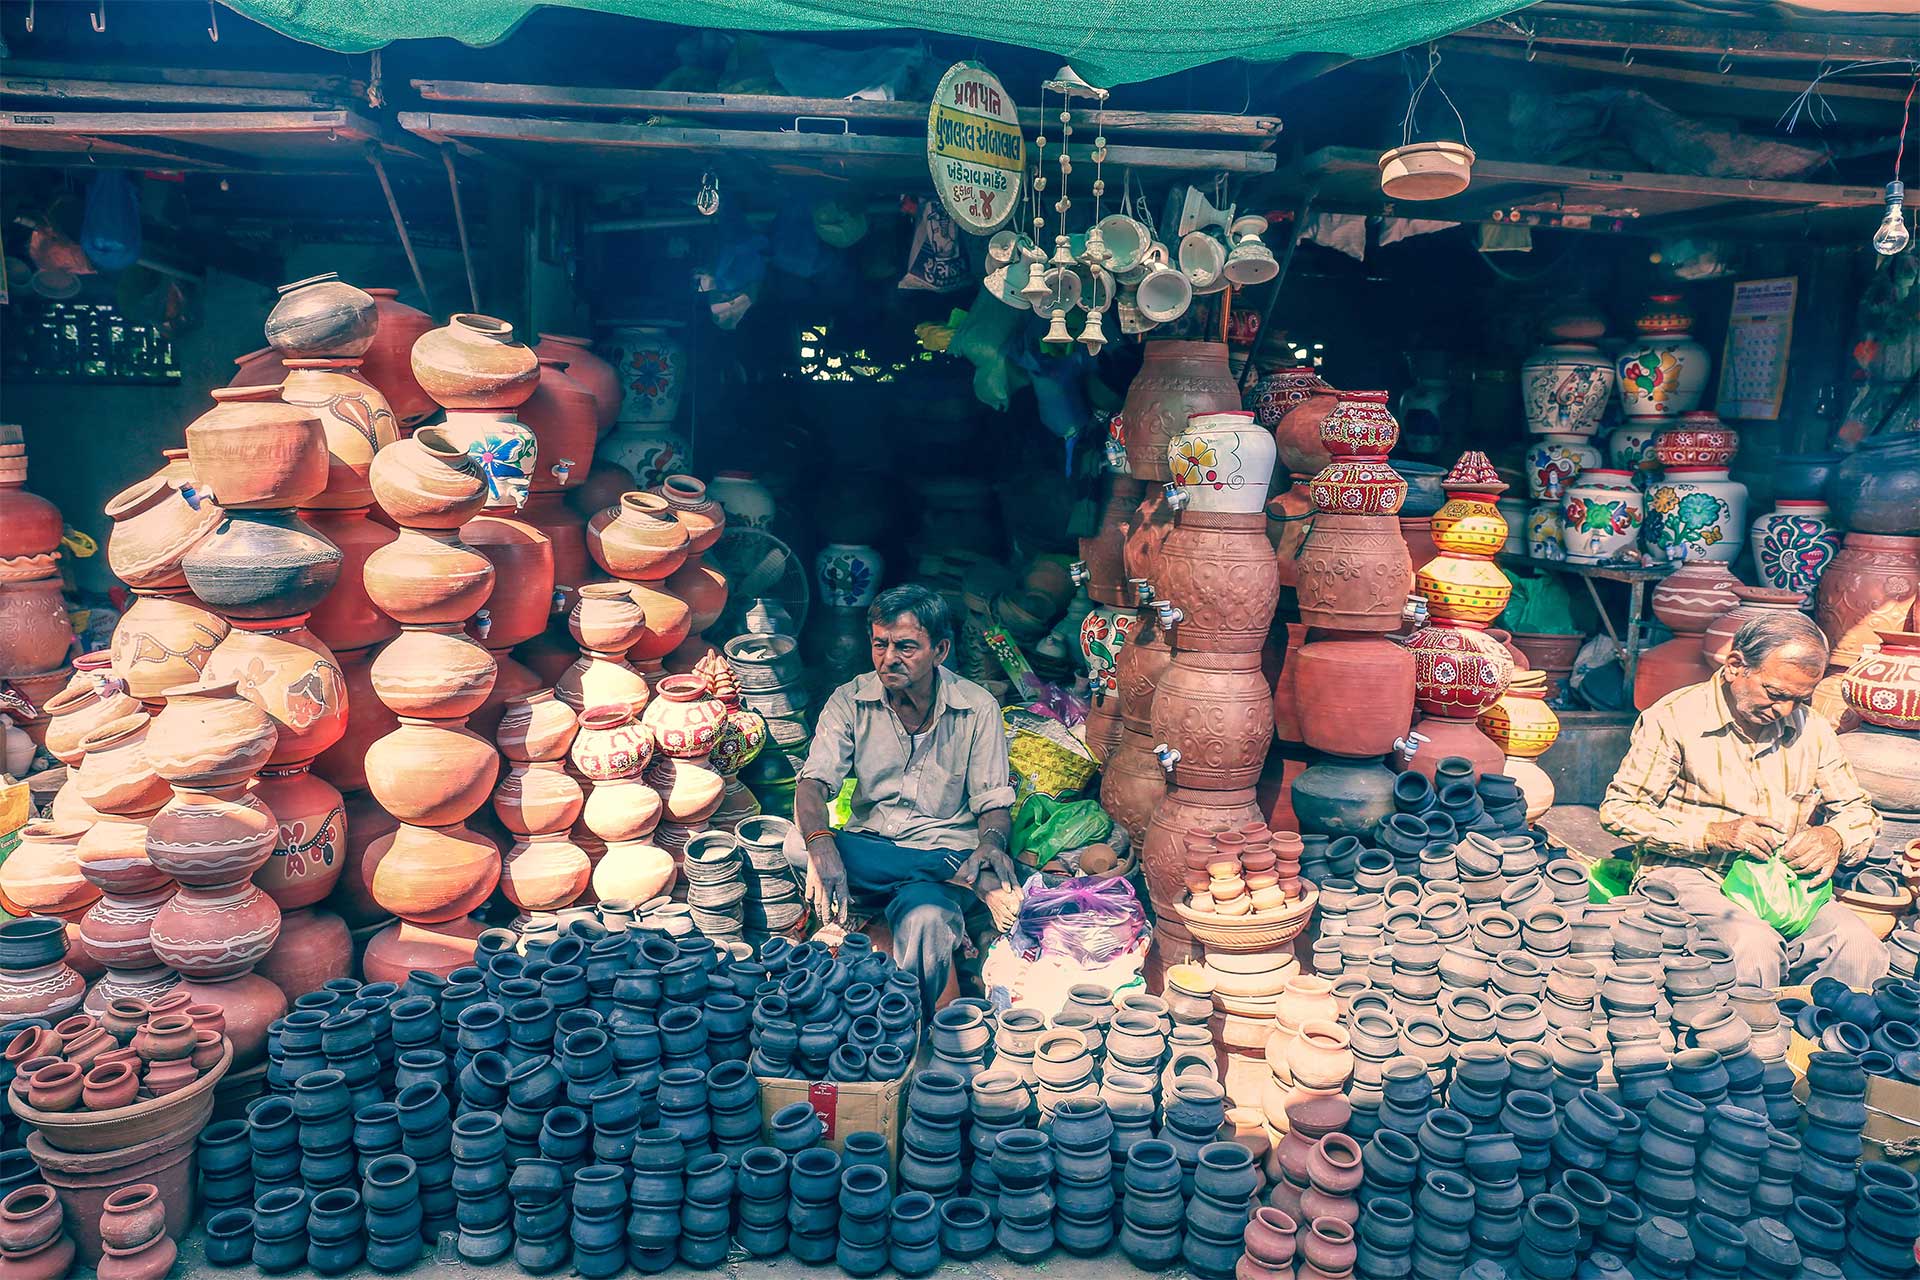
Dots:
pixel 1215 710
pixel 1220 572
pixel 1177 379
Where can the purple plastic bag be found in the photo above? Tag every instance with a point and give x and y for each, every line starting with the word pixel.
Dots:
pixel 1090 919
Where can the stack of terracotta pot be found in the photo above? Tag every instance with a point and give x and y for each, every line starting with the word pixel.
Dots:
pixel 1460 670
pixel 1102 571
pixel 1216 586
pixel 642 543
pixel 432 772
pixel 700 586
pixel 33 612
pixel 1352 578
pixel 571 485
pixel 1177 379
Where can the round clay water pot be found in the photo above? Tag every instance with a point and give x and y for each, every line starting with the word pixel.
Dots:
pixel 563 416
pixel 254 451
pixel 611 743
pixel 284 669
pixel 606 618
pixel 1354 573
pixel 427 481
pixel 155 524
pixel 30 1218
pixel 132 1216
pixel 684 716
pixel 1218 710
pixel 356 420
pixel 669 622
pixel 209 736
pixel 474 362
pixel 211 837
pixel 162 641
pixel 434 671
pixel 431 874
pixel 597 377
pixel 544 872
pixel 429 576
pixel 638 539
pixel 42 874
pixel 431 773
pixel 83 707
pixel 537 796
pixel 212 933
pixel 116 777
pixel 1870 587
pixel 322 315
pixel 522 599
pixel 536 726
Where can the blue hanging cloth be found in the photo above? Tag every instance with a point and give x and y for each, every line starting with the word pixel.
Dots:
pixel 110 231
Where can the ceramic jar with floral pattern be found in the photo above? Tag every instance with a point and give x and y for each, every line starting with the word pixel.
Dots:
pixel 1222 462
pixel 685 716
pixel 1695 513
pixel 1700 440
pixel 651 364
pixel 1555 461
pixel 848 575
pixel 1601 516
pixel 1630 448
pixel 1565 387
pixel 1664 373
pixel 1793 544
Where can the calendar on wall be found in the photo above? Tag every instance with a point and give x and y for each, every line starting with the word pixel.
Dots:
pixel 1753 368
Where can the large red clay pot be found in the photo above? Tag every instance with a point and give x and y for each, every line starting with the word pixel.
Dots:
pixel 1445 737
pixel 207 735
pixel 432 874
pixel 1220 572
pixel 1458 670
pixel 600 379
pixel 1286 700
pixel 1132 784
pixel 1353 692
pixel 433 671
pixel 638 539
pixel 431 772
pixel 210 933
pixel 344 764
pixel 253 451
pixel 1666 667
pixel 1216 711
pixel 35 632
pixel 522 598
pixel 1289 521
pixel 1177 379
pixel 310 849
pixel 346 617
pixel 388 363
pixel 1869 588
pixel 1692 596
pixel 211 837
pixel 1354 573
pixel 562 414
pixel 315 947
pixel 1137 671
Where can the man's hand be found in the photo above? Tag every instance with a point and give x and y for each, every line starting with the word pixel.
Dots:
pixel 1756 837
pixel 827 890
pixel 1813 852
pixel 990 871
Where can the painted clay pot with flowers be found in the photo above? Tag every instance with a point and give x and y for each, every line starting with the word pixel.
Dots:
pixel 282 668
pixel 1222 462
pixel 1177 379
pixel 1664 373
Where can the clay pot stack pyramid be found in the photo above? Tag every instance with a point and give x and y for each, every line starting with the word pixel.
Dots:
pixel 1460 670
pixel 1216 585
pixel 1347 692
pixel 432 772
pixel 641 543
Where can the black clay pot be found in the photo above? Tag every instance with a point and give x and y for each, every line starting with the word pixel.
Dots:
pixel 815 1172
pixel 1225 1172
pixel 396 1253
pixel 795 1128
pixel 710 1180
pixel 486 1244
pixel 32 943
pixel 230 1237
pixel 278 1256
pixel 1150 1249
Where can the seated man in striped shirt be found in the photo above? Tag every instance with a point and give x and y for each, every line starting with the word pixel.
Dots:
pixel 1737 767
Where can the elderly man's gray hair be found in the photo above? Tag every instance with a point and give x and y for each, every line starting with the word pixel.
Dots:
pixel 1782 629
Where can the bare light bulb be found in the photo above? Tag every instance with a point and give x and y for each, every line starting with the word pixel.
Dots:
pixel 1891 236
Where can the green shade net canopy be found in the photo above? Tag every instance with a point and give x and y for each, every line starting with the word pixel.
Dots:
pixel 1110 41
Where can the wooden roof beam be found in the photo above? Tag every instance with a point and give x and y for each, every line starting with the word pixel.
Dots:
pixel 1649 36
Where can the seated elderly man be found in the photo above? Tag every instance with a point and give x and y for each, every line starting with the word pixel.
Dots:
pixel 933 796
pixel 1736 767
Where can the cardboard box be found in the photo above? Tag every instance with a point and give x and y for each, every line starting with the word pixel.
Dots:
pixel 863 1106
pixel 1893 1106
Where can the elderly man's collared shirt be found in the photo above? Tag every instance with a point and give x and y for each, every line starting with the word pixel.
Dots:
pixel 1690 766
pixel 926 790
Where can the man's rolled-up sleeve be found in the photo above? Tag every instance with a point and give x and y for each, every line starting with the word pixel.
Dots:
pixel 989 776
pixel 830 758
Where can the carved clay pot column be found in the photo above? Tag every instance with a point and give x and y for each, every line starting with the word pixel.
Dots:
pixel 1215 589
pixel 1102 570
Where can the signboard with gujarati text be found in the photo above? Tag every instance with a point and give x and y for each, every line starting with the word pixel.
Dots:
pixel 975 149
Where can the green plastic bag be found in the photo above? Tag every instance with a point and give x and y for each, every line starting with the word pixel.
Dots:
pixel 1045 828
pixel 1608 878
pixel 1775 892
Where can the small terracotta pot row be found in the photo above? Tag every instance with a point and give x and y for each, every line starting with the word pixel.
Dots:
pixel 80 1063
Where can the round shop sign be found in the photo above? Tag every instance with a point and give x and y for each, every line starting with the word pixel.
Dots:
pixel 974 148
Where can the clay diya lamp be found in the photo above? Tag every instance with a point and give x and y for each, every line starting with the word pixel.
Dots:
pixel 107 1087
pixel 55 1088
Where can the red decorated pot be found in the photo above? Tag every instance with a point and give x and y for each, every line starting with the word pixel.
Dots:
pixel 1132 783
pixel 1358 486
pixel 1215 711
pixel 1884 687
pixel 1700 440
pixel 1353 692
pixel 1137 672
pixel 1458 670
pixel 217 932
pixel 1360 426
pixel 310 839
pixel 211 837
pixel 427 576
pixel 282 667
pixel 611 743
pixel 684 716
pixel 1870 587
pixel 35 632
pixel 1220 572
